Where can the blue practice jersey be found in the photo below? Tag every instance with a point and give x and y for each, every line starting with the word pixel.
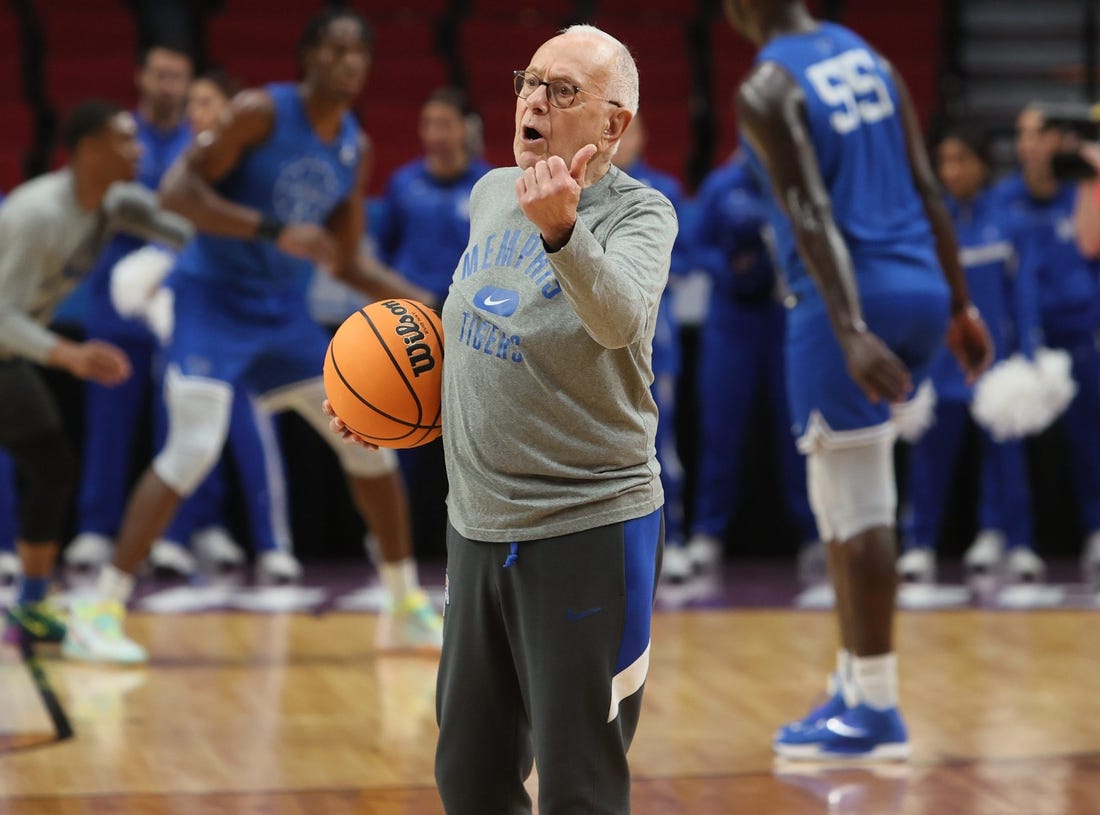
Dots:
pixel 1005 294
pixel 1045 240
pixel 854 118
pixel 729 236
pixel 293 176
pixel 423 223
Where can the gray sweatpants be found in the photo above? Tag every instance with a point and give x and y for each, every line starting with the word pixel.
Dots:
pixel 544 659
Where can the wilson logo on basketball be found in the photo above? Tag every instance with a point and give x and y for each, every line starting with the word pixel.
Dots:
pixel 412 335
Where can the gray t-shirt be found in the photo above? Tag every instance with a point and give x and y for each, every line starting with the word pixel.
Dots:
pixel 548 420
pixel 48 243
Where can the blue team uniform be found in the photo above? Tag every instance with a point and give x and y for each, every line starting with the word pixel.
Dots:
pixel 741 351
pixel 854 122
pixel 241 315
pixel 1006 296
pixel 666 357
pixel 112 413
pixel 423 223
pixel 1069 308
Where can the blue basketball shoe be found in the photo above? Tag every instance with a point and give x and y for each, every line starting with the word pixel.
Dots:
pixel 861 733
pixel 834 705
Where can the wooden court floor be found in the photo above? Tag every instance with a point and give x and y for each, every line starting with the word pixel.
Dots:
pixel 248 713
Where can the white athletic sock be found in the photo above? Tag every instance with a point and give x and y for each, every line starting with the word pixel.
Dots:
pixel 841 681
pixel 877 680
pixel 399 578
pixel 115 585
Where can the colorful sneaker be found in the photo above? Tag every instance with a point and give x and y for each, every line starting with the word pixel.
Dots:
pixel 834 705
pixel 32 623
pixel 95 634
pixel 413 625
pixel 861 733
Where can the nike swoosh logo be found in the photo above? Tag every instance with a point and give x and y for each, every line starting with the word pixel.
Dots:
pixel 489 301
pixel 573 616
pixel 846 730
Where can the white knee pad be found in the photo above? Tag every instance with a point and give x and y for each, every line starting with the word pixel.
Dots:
pixel 305 399
pixel 852 488
pixel 198 424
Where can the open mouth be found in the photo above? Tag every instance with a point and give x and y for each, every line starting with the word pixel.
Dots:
pixel 531 134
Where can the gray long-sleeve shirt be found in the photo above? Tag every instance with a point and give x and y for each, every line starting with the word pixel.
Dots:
pixel 47 243
pixel 548 420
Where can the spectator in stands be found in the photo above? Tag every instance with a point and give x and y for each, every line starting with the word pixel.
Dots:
pixel 1004 293
pixel 741 356
pixel 421 227
pixel 1041 211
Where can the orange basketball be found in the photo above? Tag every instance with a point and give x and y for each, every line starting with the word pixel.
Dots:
pixel 384 373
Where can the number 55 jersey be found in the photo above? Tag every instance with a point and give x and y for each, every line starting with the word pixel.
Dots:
pixel 854 118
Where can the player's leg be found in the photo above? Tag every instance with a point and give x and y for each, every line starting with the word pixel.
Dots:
pixel 286 378
pixel 198 420
pixel 31 433
pixel 932 462
pixel 171 551
pixel 484 752
pixel 258 457
pixel 111 417
pixel 850 473
pixel 731 342
pixel 378 491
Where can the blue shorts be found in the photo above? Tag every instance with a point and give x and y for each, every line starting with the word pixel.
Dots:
pixel 827 406
pixel 260 342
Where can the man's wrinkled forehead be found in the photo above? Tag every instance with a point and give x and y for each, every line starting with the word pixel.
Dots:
pixel 576 57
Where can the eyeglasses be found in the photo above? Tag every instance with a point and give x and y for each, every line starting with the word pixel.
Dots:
pixel 559 93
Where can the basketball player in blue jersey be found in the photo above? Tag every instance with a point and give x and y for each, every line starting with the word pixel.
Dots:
pixel 864 238
pixel 1007 297
pixel 741 351
pixel 676 565
pixel 277 185
pixel 1041 208
pixel 112 415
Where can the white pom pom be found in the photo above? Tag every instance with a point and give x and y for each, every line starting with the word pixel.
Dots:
pixel 160 315
pixel 1018 397
pixel 914 417
pixel 136 277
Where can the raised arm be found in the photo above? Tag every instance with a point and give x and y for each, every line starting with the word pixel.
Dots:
pixel 188 186
pixel 353 266
pixel 771 108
